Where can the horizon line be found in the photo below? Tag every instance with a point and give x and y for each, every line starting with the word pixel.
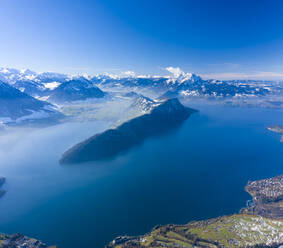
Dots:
pixel 256 75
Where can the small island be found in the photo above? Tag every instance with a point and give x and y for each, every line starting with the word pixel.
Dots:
pixel 277 129
pixel 164 117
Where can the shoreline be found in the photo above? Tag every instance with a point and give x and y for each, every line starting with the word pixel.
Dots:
pixel 235 230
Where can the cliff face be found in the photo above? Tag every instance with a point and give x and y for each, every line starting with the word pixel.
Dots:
pixel 110 143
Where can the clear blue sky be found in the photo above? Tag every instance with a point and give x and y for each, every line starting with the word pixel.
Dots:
pixel 223 38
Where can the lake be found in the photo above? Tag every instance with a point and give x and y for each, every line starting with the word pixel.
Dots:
pixel 196 172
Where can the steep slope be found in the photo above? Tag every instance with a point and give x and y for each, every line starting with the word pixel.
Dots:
pixel 16 106
pixel 110 143
pixel 141 103
pixel 31 88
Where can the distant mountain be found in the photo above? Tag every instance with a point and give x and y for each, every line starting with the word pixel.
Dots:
pixel 11 76
pixel 153 83
pixel 53 87
pixel 49 77
pixel 31 88
pixel 213 88
pixel 178 84
pixel 188 85
pixel 112 142
pixel 32 83
pixel 17 107
pixel 140 102
pixel 74 90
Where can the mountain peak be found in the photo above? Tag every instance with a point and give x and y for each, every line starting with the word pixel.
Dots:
pixel 27 72
pixel 112 142
pixel 179 76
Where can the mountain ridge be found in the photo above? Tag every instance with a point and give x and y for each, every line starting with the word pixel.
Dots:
pixel 179 83
pixel 16 106
pixel 112 142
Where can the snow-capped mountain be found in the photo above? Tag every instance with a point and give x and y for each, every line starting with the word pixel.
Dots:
pixel 182 84
pixel 32 88
pixel 11 75
pixel 50 77
pixel 141 103
pixel 154 83
pixel 17 107
pixel 213 88
pixel 30 82
pixel 75 90
pixel 57 87
pixel 54 87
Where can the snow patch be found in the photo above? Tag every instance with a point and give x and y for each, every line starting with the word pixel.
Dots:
pixel 52 85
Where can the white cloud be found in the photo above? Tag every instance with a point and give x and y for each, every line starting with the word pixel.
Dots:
pixel 180 75
pixel 176 71
pixel 128 73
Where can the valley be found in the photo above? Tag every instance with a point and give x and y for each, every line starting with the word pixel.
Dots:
pixel 141 124
pixel 55 97
pixel 131 132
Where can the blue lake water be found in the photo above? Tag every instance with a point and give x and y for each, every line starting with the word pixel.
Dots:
pixel 196 172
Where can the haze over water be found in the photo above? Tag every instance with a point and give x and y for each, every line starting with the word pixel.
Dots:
pixel 196 172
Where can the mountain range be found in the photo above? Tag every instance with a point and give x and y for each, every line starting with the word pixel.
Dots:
pixel 179 85
pixel 189 85
pixel 41 91
pixel 75 90
pixel 18 107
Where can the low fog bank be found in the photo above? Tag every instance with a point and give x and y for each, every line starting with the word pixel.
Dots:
pixel 117 107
